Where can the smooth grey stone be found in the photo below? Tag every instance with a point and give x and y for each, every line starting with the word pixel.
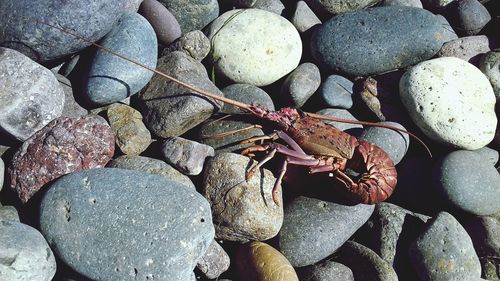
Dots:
pixel 186 155
pixel 214 262
pixel 2 173
pixel 377 40
pixel 111 78
pixel 192 14
pixel 273 6
pixel 194 43
pixel 314 229
pixel 170 109
pixel 336 91
pixel 326 270
pixel 469 48
pixel 448 31
pixel 165 25
pixel 71 107
pixel 248 94
pixel 136 225
pixel 444 251
pixel 342 114
pixel 468 16
pixel 490 66
pixel 24 253
pixel 409 3
pixel 304 18
pixel 394 143
pixel 459 170
pixel 336 7
pixel 301 84
pixel 489 154
pixel 8 213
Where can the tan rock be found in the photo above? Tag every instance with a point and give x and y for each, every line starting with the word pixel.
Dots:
pixel 132 136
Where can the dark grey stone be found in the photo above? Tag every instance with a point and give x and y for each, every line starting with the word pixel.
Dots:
pixel 192 14
pixel 301 84
pixel 165 25
pixel 186 155
pixel 71 107
pixel 136 225
pixel 460 170
pixel 2 173
pixel 9 213
pixel 468 16
pixel 111 78
pixel 336 91
pixel 377 40
pixel 342 114
pixel 326 270
pixel 214 262
pixel 248 94
pixel 394 143
pixel 314 229
pixel 194 43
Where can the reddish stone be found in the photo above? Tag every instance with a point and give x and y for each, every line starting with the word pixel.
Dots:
pixel 63 146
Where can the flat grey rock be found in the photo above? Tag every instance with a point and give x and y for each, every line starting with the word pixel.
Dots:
pixel 326 270
pixel 192 14
pixel 336 91
pixel 186 155
pixel 394 143
pixel 248 94
pixel 301 84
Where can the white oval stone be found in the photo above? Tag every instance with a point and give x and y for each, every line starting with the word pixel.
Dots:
pixel 451 101
pixel 254 46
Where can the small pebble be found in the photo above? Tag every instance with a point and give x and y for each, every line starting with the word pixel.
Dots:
pixel 394 143
pixel 192 14
pixel 186 155
pixel 490 66
pixel 9 213
pixel 304 18
pixel 248 94
pixel 342 114
pixel 448 31
pixel 489 154
pixel 194 43
pixel 469 48
pixel 273 6
pixel 132 136
pixel 336 7
pixel 214 262
pixel 336 91
pixel 165 25
pixel 301 84
pixel 2 173
pixel 468 16
pixel 409 3
pixel 326 270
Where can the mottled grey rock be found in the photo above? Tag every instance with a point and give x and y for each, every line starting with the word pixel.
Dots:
pixel 273 6
pixel 326 270
pixel 448 32
pixel 301 84
pixel 151 166
pixel 30 95
pixel 394 143
pixel 165 25
pixel 469 48
pixel 488 154
pixel 242 209
pixel 490 66
pixel 111 78
pixel 377 40
pixel 304 18
pixel 214 262
pixel 24 253
pixel 444 252
pixel 131 135
pixel 194 43
pixel 342 6
pixel 342 114
pixel 192 14
pixel 336 91
pixel 410 3
pixel 186 155
pixel 468 16
pixel 248 94
pixel 460 170
pixel 71 107
pixel 8 213
pixel 314 229
pixel 166 228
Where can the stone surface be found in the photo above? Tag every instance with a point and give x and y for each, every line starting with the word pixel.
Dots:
pixel 490 155
pixel 336 91
pixel 448 31
pixel 301 84
pixel 8 213
pixel 445 252
pixel 186 155
pixel 192 14
pixel 343 114
pixel 460 170
pixel 342 6
pixel 314 229
pixel 242 210
pixel 165 24
pixel 468 16
pixel 194 43
pixel 248 94
pixel 253 46
pixel 132 136
pixel 111 78
pixel 24 253
pixel 410 3
pixel 358 43
pixel 166 228
pixel 30 95
pixel 259 261
pixel 451 101
pixel 469 48
pixel 170 109
pixel 394 143
pixel 304 18
pixel 71 107
pixel 214 262
pixel 2 173
pixel 490 66
pixel 326 270
pixel 63 146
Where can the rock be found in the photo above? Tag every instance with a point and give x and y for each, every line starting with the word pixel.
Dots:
pixel 409 3
pixel 445 252
pixel 165 24
pixel 341 6
pixel 301 84
pixel 30 96
pixel 194 43
pixel 343 114
pixel 151 166
pixel 357 43
pixel 8 213
pixel 63 146
pixel 132 136
pixel 395 144
pixel 365 264
pixel 192 14
pixel 214 262
pixel 488 154
pixel 457 172
pixel 448 32
pixel 25 255
pixel 253 46
pixel 325 271
pixel 248 94
pixel 438 94
pixel 259 261
pixel 468 16
pixel 242 210
pixel 490 66
pixel 186 155
pixel 336 91
pixel 166 228
pixel 314 229
pixel 469 48
pixel 2 173
pixel 304 18
pixel 436 5
pixel 170 109
pixel 21 26
pixel 111 78
pixel 71 107
pixel 273 6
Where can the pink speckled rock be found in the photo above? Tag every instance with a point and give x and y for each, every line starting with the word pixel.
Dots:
pixel 63 146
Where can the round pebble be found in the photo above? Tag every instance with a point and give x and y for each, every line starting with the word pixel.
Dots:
pixel 214 262
pixel 342 114
pixel 336 91
pixel 253 46
pixel 451 101
pixel 304 18
pixel 9 213
pixel 325 271
pixel 341 6
pixel 301 84
pixel 194 43
pixel 248 94
pixel 2 173
pixel 468 16
pixel 132 136
pixel 409 3
pixel 192 14
pixel 490 66
pixel 469 48
pixel 165 24
pixel 394 143
pixel 186 155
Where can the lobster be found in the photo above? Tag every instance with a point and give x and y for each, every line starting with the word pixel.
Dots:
pixel 309 142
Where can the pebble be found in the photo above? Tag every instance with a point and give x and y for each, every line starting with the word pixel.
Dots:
pixel 448 31
pixel 165 25
pixel 488 154
pixel 304 18
pixel 273 6
pixel 314 229
pixel 166 228
pixel 30 95
pixel 151 166
pixel 71 107
pixel 63 146
pixel 2 173
pixel 192 14
pixel 365 264
pixel 444 251
pixel 469 48
pixel 436 5
pixel 111 78
pixel 457 172
pixel 171 110
pixel 260 261
pixel 394 143
pixel 242 210
pixel 301 84
pixel 451 101
pixel 490 66
pixel 214 262
pixel 253 46
pixel 336 91
pixel 25 255
pixel 336 7
pixel 343 114
pixel 326 270
pixel 468 16
pixel 409 3
pixel 132 136
pixel 194 43
pixel 357 43
pixel 248 94
pixel 9 213
pixel 186 155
